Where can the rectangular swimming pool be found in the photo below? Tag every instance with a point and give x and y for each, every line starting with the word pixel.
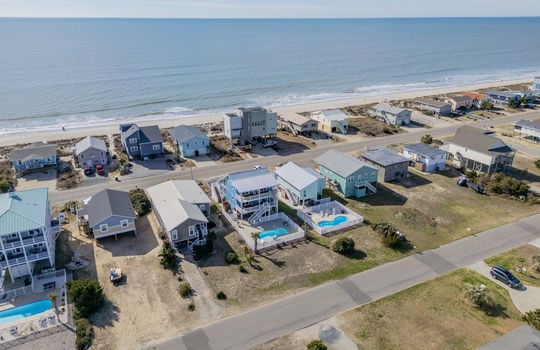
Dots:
pixel 23 311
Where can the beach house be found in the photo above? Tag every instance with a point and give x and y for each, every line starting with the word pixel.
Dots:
pixel 391 165
pixel 505 97
pixel 459 102
pixel 189 141
pixel 300 185
pixel 249 125
pixel 433 106
pixel 141 142
pixel 27 233
pixel 331 121
pixel 297 124
pixel 390 114
pixel 347 175
pixel 425 157
pixel 108 213
pixel 477 98
pixel 181 208
pixel 250 195
pixel 91 151
pixel 474 149
pixel 535 87
pixel 34 156
pixel 528 129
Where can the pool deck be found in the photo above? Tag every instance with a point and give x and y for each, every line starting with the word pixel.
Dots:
pixel 316 217
pixel 266 226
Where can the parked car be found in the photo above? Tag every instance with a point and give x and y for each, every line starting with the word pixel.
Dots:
pixel 256 167
pixel 269 143
pixel 100 169
pixel 88 171
pixel 505 276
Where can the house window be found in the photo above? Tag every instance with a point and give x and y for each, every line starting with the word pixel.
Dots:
pixel 19 162
pixel 373 174
pixel 124 223
pixel 350 179
pixel 174 235
pixel 102 153
pixel 132 140
pixel 187 144
pixel 192 232
pixel 104 227
pixel 82 156
pixel 133 148
pixel 156 147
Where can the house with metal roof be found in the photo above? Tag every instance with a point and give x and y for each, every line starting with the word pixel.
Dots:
pixel 190 141
pixel 250 124
pixel 524 337
pixel 141 142
pixel 181 208
pixel 528 129
pixel 108 213
pixel 91 151
pixel 34 156
pixel 433 106
pixel 392 166
pixel 425 157
pixel 504 97
pixel 390 114
pixel 459 102
pixel 331 121
pixel 299 185
pixel 250 195
pixel 297 123
pixel 475 149
pixel 27 233
pixel 349 176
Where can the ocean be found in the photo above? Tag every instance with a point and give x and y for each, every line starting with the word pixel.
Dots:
pixel 58 73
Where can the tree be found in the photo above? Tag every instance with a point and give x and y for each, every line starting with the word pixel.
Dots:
pixel 427 139
pixel 4 186
pixel 479 295
pixel 86 295
pixel 185 290
pixel 231 258
pixel 486 105
pixel 533 318
pixel 316 345
pixel 168 258
pixel 52 298
pixel 343 245
pixel 255 236
pixel 140 202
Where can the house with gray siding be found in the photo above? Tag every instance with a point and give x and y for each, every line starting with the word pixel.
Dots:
pixel 504 97
pixel 250 125
pixel 300 185
pixel 528 129
pixel 141 142
pixel 433 106
pixel 108 213
pixel 391 114
pixel 425 157
pixel 34 156
pixel 190 141
pixel 91 151
pixel 297 123
pixel 392 166
pixel 181 208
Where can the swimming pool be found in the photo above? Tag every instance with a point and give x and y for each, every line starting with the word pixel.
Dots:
pixel 273 233
pixel 26 310
pixel 330 223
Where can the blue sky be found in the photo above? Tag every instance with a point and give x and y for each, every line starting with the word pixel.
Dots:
pixel 267 8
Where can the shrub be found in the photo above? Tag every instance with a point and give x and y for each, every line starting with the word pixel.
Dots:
pixel 427 139
pixel 502 184
pixel 390 236
pixel 316 345
pixel 140 202
pixel 533 318
pixel 191 307
pixel 4 186
pixel 86 295
pixel 168 258
pixel 242 268
pixel 185 290
pixel 479 295
pixel 343 245
pixel 83 333
pixel 537 163
pixel 221 295
pixel 231 258
pixel 201 251
pixel 486 105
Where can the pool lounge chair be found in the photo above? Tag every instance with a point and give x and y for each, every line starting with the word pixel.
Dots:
pixel 13 331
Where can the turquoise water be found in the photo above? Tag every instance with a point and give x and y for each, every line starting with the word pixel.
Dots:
pixel 273 233
pixel 77 72
pixel 331 223
pixel 26 310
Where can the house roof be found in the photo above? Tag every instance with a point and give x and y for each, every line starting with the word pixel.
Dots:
pixel 507 94
pixel 460 98
pixel 431 102
pixel 186 190
pixel 252 109
pixel 478 140
pixel 295 118
pixel 36 150
pixel 171 207
pixel 384 157
pixel 147 134
pixel 334 114
pixel 521 338
pixel 251 180
pixel 184 133
pixel 424 150
pixel 388 108
pixel 528 124
pixel 90 142
pixel 107 203
pixel 23 210
pixel 474 95
pixel 299 178
pixel 341 163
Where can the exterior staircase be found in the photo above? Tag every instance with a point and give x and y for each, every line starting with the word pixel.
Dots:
pixel 369 186
pixel 263 210
pixel 293 199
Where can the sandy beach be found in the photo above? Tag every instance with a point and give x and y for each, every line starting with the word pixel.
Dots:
pixel 12 139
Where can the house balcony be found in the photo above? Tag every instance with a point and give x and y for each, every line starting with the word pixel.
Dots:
pixel 18 259
pixel 265 194
pixel 28 240
pixel 56 226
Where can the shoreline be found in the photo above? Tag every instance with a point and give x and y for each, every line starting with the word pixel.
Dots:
pixel 50 135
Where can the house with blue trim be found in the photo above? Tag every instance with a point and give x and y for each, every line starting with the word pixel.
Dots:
pixel 189 141
pixel 300 185
pixel 34 156
pixel 143 142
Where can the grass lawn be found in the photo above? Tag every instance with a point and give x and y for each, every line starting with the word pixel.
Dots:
pixel 432 315
pixel 526 255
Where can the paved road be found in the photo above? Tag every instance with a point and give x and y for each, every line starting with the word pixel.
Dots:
pixel 303 159
pixel 314 305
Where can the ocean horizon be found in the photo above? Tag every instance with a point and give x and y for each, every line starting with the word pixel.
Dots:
pixel 76 72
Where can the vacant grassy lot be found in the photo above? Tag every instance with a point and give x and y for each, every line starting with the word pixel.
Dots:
pixel 432 315
pixel 526 255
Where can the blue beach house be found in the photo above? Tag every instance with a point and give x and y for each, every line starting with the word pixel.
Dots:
pixel 142 142
pixel 190 141
pixel 347 175
pixel 300 185
pixel 33 156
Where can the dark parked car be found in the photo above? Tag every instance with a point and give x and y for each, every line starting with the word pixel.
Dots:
pixel 505 276
pixel 88 171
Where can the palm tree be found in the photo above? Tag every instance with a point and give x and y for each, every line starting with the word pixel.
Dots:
pixel 247 255
pixel 53 297
pixel 255 236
